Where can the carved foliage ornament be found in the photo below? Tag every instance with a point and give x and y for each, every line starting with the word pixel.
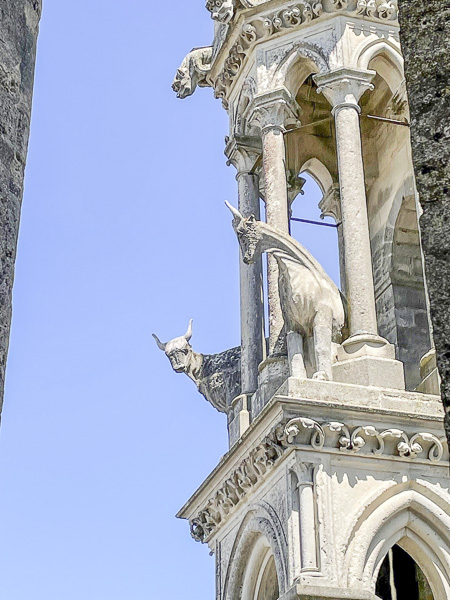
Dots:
pixel 407 447
pixel 258 29
pixel 262 27
pixel 250 472
pixel 253 469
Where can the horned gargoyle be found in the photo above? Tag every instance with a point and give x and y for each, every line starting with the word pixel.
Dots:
pixel 311 304
pixel 192 72
pixel 217 376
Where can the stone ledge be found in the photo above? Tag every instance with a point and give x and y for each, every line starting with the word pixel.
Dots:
pixel 315 592
pixel 369 399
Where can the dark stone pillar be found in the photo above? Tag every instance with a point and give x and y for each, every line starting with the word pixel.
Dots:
pixel 425 35
pixel 19 22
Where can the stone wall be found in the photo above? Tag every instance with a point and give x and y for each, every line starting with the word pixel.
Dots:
pixel 425 34
pixel 19 22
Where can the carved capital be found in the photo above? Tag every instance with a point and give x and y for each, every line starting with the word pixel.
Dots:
pixel 274 110
pixel 330 205
pixel 242 152
pixel 344 87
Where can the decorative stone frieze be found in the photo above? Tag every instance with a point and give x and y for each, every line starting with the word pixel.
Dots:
pixel 255 468
pixel 264 26
pixel 353 441
pixel 242 480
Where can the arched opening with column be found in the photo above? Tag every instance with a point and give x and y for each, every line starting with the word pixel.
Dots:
pixel 411 516
pixel 396 255
pixel 311 162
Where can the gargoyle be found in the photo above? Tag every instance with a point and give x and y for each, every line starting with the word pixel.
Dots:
pixel 221 10
pixel 311 303
pixel 193 72
pixel 217 376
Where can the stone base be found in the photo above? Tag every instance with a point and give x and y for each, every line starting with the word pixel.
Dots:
pixel 368 360
pixel 370 370
pixel 273 372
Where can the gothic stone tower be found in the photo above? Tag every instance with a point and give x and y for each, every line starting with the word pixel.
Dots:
pixel 336 484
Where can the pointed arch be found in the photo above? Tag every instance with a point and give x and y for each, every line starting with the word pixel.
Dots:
pixel 415 518
pixel 319 173
pixel 297 63
pixel 385 58
pixel 260 536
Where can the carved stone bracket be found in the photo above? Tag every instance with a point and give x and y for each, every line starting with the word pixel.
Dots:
pixel 330 205
pixel 353 441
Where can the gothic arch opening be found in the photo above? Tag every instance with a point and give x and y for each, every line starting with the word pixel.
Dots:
pixel 260 578
pixel 318 235
pixel 408 515
pixel 401 578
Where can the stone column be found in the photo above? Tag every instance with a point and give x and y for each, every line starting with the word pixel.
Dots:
pixel 271 112
pixel 343 88
pixel 243 153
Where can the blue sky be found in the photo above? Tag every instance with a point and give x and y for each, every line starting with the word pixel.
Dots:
pixel 123 233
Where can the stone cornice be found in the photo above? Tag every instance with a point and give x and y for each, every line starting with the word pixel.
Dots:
pixel 253 26
pixel 354 421
pixel 323 436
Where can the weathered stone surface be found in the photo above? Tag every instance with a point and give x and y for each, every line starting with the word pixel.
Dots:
pixel 19 22
pixel 425 38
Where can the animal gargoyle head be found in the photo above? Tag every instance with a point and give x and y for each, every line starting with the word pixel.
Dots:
pixel 178 350
pixel 248 234
pixel 221 10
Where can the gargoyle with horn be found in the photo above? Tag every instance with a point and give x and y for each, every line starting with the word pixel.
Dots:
pixel 217 376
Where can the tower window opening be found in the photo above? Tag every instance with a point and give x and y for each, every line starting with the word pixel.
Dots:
pixel 401 578
pixel 322 242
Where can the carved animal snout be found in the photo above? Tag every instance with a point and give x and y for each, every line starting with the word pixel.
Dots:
pixel 179 359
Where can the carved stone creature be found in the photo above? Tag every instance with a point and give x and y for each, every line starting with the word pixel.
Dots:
pixel 217 376
pixel 311 303
pixel 193 72
pixel 221 10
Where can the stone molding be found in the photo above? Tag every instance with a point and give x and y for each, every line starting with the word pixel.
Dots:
pixel 260 461
pixel 409 446
pixel 242 480
pixel 292 16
